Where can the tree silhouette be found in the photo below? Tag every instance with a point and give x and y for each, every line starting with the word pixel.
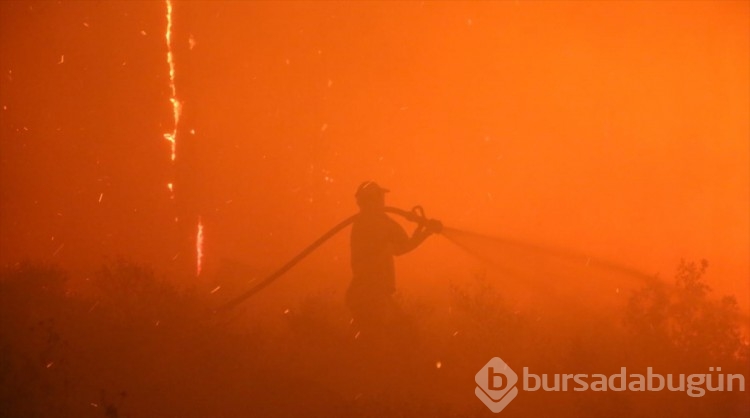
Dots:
pixel 686 318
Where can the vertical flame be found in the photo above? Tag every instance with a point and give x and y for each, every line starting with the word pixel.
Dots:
pixel 176 105
pixel 199 247
pixel 172 136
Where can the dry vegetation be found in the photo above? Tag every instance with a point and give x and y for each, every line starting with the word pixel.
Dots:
pixel 133 345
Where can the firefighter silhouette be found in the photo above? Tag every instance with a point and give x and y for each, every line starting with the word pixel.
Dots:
pixel 375 240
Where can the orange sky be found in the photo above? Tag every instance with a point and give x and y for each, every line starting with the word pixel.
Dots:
pixel 619 128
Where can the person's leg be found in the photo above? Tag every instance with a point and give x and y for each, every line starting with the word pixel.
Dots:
pixel 366 310
pixel 401 328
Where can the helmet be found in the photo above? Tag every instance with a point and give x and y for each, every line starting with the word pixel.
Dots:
pixel 369 191
pixel 369 188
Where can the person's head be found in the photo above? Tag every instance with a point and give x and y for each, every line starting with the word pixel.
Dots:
pixel 370 196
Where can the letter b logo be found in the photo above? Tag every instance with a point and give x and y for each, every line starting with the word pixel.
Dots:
pixel 493 377
pixel 496 384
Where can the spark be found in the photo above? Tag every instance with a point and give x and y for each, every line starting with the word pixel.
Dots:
pixel 62 59
pixel 101 195
pixel 324 127
pixel 93 404
pixel 58 249
pixel 50 364
pixel 199 248
pixel 143 32
pixel 216 289
pixel 191 42
pixel 438 364
pixel 286 311
pixel 176 105
pixel 356 335
pixel 94 305
pixel 85 24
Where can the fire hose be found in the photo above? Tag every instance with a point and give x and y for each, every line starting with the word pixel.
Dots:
pixel 416 215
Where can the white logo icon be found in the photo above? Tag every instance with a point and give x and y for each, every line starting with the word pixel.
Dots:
pixel 496 384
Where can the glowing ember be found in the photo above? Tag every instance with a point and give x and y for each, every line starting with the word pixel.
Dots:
pixel 216 289
pixel 199 248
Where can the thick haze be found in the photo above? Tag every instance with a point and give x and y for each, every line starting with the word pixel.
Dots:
pixel 615 128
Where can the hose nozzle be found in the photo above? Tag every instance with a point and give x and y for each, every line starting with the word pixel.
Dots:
pixel 434 226
pixel 417 215
pixel 431 225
